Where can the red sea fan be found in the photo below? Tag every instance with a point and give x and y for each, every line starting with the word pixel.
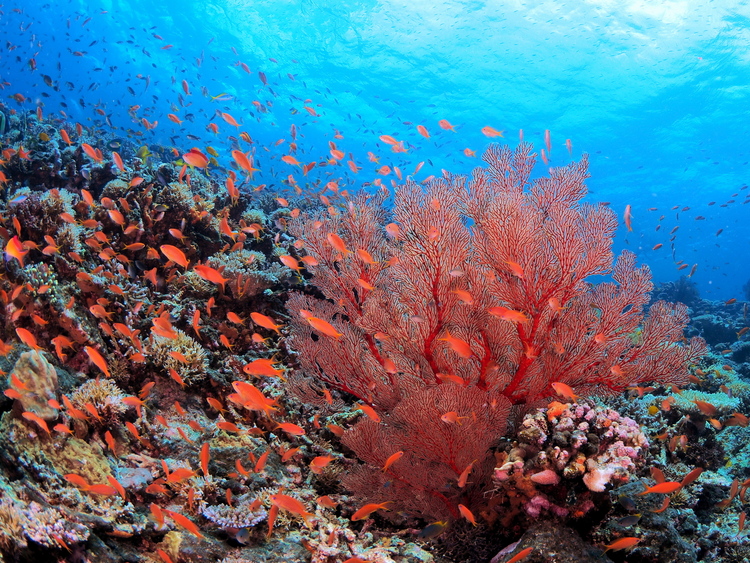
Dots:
pixel 476 298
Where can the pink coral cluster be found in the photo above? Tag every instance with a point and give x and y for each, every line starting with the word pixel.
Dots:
pixel 558 445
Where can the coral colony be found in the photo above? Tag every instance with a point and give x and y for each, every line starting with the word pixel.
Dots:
pixel 197 372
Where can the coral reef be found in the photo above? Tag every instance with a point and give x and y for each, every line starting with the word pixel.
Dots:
pixel 161 404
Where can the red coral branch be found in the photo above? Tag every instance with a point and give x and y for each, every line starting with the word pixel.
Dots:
pixel 479 303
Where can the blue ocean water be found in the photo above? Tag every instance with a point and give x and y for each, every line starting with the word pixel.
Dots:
pixel 655 92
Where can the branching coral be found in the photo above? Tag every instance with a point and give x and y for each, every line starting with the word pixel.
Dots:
pixel 106 398
pixel 193 370
pixel 240 515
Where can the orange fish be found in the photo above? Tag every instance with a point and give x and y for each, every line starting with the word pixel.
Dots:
pixel 423 131
pixel 464 477
pixel 318 463
pixel 666 488
pixel 290 262
pixel 118 161
pixel 508 314
pixel 460 347
pixel 622 543
pixel 32 417
pixel 336 242
pixel 229 119
pixel 521 555
pixel 393 458
pixel 96 357
pixel 265 322
pixel 369 411
pixel 692 476
pixel 250 397
pixel 515 269
pixel 292 429
pixel 326 502
pixel 324 327
pixel 289 159
pixel 117 486
pixel 27 338
pixel 706 408
pixel 244 162
pixel 205 456
pixel 453 418
pixel 195 158
pixel 368 509
pixel 444 124
pixel 16 249
pixel 95 154
pixel 291 504
pixel 174 254
pixel 262 367
pixel 186 523
pixel 466 513
pixel 210 274
pixel 491 131
pixel 564 390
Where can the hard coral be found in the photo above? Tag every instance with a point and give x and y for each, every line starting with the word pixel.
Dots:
pixel 40 377
pixel 583 440
pixel 238 516
pixel 192 371
pixel 105 396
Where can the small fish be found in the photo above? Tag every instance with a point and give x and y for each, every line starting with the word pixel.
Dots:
pixel 509 314
pixel 464 477
pixel 265 322
pixel 432 530
pixel 291 428
pixel 96 357
pixel 628 217
pixel 628 521
pixel 564 390
pixel 324 327
pixel 667 487
pixel 368 509
pixel 185 523
pixel 15 249
pixel 174 254
pixel 491 132
pixel 523 554
pixel 622 543
pixel 393 458
pixel 318 463
pixel 466 513
pixel 291 504
pixel 445 124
